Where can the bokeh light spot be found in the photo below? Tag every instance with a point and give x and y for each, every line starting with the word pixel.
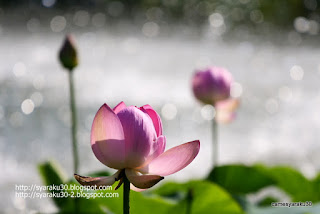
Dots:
pixel 98 20
pixel 256 16
pixel 27 106
pixel 81 18
pixel 150 29
pixel 58 24
pixel 296 72
pixel 48 3
pixel 19 69
pixel 310 4
pixel 301 24
pixel 115 8
pixel 272 106
pixel 169 111
pixel 208 112
pixel 33 25
pixel 216 20
pixel 37 98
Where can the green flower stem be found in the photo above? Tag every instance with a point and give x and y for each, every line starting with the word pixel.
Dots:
pixel 73 123
pixel 126 195
pixel 76 207
pixel 215 142
pixel 189 200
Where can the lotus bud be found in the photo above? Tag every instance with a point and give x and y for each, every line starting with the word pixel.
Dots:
pixel 212 85
pixel 68 54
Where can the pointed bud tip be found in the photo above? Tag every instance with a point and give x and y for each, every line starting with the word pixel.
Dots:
pixel 68 53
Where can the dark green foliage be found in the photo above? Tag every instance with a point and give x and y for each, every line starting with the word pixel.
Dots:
pixel 240 179
pixel 205 197
pixel 293 183
pixel 51 174
pixel 267 201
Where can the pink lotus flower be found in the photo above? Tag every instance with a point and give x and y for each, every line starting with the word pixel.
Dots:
pixel 130 140
pixel 212 86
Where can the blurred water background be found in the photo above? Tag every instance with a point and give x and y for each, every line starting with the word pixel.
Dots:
pixel 145 52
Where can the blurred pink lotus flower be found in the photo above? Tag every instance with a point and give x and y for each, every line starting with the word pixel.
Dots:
pixel 212 86
pixel 225 110
pixel 130 140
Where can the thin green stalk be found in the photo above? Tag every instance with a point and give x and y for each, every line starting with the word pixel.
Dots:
pixel 126 195
pixel 189 200
pixel 76 207
pixel 74 132
pixel 215 142
pixel 73 123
